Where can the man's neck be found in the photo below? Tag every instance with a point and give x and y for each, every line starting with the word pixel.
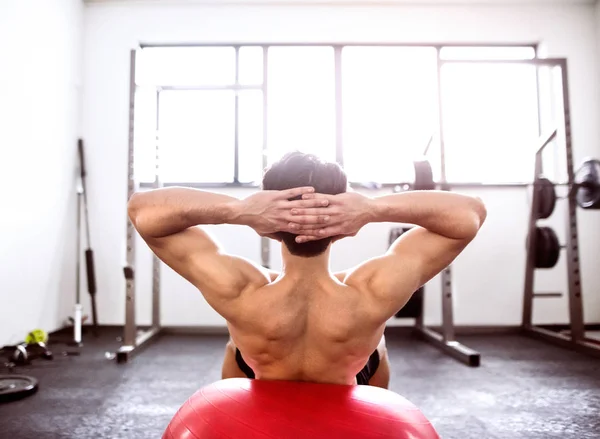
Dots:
pixel 313 266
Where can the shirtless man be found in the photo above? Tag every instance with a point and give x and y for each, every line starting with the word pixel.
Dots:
pixel 306 323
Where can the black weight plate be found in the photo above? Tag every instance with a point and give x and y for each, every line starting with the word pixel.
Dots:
pixel 14 387
pixel 547 250
pixel 547 196
pixel 423 176
pixel 588 180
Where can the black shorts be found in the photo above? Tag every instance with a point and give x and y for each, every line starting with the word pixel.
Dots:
pixel 362 377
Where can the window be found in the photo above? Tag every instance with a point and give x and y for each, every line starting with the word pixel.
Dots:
pixel 301 101
pixel 204 109
pixel 490 122
pixel 196 135
pixel 389 110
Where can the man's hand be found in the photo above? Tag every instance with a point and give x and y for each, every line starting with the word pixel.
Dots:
pixel 268 212
pixel 344 216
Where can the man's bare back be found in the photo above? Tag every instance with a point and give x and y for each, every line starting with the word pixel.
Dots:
pixel 306 329
pixel 306 323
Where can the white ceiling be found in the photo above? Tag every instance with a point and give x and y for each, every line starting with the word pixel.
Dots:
pixel 344 2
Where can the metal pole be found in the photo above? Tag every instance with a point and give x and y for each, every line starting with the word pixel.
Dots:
pixel 265 244
pixel 339 132
pixel 236 141
pixel 130 325
pixel 573 271
pixel 526 320
pixel 447 308
pixel 157 184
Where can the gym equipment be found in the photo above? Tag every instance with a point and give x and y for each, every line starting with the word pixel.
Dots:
pixel 15 387
pixel 587 180
pixel 586 186
pixel 244 408
pixel 547 197
pixel 89 255
pixel 445 339
pixel 423 176
pixel 37 336
pixel 134 340
pixel 23 354
pixel 583 191
pixel 547 247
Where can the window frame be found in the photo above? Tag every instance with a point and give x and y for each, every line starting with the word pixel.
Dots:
pixel 339 149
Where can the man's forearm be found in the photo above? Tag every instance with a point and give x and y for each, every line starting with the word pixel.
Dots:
pixel 449 214
pixel 163 212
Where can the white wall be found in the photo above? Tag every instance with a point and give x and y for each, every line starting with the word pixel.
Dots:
pixel 41 51
pixel 488 276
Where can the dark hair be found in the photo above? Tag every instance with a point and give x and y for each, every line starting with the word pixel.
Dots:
pixel 297 169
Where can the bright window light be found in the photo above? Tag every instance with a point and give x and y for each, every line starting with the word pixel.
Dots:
pixel 389 110
pixel 251 65
pixel 250 136
pixel 181 66
pixel 196 136
pixel 490 122
pixel 301 101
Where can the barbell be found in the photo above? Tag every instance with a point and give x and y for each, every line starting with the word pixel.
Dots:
pixel 586 184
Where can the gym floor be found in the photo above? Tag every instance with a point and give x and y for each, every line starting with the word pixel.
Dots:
pixel 524 389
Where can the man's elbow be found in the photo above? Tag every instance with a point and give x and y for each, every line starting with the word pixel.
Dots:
pixel 134 207
pixel 480 211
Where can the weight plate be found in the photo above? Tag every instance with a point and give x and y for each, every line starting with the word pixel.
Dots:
pixel 14 387
pixel 587 179
pixel 423 176
pixel 547 251
pixel 547 197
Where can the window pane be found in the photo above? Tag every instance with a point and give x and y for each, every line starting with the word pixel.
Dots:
pixel 251 65
pixel 186 66
pixel 476 53
pixel 250 136
pixel 389 110
pixel 301 101
pixel 490 122
pixel 196 132
pixel 144 129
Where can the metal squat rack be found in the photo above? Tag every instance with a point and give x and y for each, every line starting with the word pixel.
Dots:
pixel 135 339
pixel 575 338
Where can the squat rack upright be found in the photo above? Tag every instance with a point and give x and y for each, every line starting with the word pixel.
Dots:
pixel 133 338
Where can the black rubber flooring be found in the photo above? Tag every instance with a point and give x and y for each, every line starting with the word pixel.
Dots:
pixel 523 389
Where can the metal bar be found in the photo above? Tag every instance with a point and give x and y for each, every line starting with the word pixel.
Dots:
pixel 265 245
pixel 157 184
pixel 526 319
pixel 236 136
pixel 234 87
pixel 573 269
pixel 130 327
pixel 553 62
pixel 547 295
pixel 144 45
pixel 127 351
pixel 564 341
pixel 339 131
pixel 453 348
pixel 549 138
pixel 447 306
pixel 443 176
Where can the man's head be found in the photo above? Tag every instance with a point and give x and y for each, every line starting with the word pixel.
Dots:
pixel 297 169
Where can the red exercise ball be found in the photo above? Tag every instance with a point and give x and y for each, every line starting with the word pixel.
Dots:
pixel 251 409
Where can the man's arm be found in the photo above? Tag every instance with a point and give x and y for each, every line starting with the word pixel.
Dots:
pixel 167 220
pixel 445 224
